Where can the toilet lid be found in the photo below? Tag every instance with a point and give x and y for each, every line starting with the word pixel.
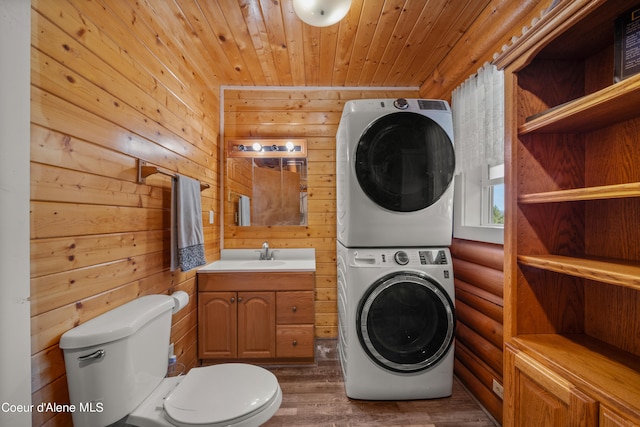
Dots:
pixel 220 393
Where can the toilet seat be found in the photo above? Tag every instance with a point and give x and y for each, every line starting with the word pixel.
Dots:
pixel 229 394
pixel 221 395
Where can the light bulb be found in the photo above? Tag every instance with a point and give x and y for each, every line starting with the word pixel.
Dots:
pixel 321 13
pixel 256 146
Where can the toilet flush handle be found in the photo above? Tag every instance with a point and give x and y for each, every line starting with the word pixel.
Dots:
pixel 98 354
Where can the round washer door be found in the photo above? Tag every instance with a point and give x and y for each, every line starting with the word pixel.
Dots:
pixel 404 162
pixel 406 322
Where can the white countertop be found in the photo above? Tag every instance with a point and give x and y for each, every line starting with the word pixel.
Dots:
pixel 248 260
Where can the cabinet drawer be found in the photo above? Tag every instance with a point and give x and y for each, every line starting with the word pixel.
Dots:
pixel 294 307
pixel 295 341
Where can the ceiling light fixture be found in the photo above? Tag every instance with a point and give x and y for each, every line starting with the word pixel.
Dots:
pixel 321 13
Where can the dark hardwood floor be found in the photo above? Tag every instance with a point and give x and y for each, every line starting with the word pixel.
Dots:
pixel 314 396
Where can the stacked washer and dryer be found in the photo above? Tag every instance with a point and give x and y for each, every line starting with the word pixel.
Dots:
pixel 395 166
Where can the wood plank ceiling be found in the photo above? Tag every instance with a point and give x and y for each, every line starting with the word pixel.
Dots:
pixel 396 43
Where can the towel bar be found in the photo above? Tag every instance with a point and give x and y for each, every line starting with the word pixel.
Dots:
pixel 145 170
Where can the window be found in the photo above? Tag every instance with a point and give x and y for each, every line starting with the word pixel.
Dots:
pixel 494 206
pixel 478 124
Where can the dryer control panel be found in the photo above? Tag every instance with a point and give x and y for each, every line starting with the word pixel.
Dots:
pixel 433 257
pixel 426 257
pixel 410 257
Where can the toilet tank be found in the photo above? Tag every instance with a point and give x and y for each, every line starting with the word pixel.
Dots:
pixel 115 360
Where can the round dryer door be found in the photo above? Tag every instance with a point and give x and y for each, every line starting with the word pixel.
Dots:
pixel 404 162
pixel 406 322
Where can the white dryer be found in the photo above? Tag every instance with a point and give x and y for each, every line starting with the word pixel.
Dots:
pixel 396 322
pixel 395 164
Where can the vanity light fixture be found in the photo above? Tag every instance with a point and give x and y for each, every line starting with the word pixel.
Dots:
pixel 267 147
pixel 321 13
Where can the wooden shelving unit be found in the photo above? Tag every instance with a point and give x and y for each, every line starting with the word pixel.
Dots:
pixel 572 232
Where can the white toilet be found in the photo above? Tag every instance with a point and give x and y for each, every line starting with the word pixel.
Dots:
pixel 116 365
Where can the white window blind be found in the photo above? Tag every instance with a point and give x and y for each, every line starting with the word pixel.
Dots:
pixel 478 119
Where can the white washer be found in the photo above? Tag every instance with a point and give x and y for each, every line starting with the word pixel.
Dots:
pixel 396 322
pixel 395 164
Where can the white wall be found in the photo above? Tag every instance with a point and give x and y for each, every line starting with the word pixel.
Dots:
pixel 15 352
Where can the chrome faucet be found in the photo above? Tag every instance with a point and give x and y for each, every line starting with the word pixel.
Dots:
pixel 264 255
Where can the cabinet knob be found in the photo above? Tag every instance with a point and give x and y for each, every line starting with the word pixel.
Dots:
pixel 239 299
pixel 294 308
pixel 233 300
pixel 294 343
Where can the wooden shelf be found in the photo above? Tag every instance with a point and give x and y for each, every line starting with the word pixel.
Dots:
pixel 612 374
pixel 618 191
pixel 614 272
pixel 613 104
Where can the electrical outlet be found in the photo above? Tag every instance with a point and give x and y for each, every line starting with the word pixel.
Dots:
pixel 211 214
pixel 498 389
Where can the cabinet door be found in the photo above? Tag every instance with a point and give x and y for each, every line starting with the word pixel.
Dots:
pixel 609 418
pixel 217 325
pixel 256 325
pixel 535 396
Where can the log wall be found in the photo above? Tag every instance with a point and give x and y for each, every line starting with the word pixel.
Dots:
pixel 108 90
pixel 478 275
pixel 315 115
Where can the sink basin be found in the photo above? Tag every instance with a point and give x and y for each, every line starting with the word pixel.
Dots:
pixel 263 264
pixel 248 260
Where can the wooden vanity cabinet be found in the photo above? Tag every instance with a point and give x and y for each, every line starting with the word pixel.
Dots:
pixel 266 317
pixel 572 226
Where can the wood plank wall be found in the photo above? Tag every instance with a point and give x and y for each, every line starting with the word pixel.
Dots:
pixel 315 115
pixel 110 85
pixel 478 274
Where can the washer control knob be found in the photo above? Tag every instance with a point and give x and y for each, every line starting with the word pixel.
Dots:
pixel 401 104
pixel 401 257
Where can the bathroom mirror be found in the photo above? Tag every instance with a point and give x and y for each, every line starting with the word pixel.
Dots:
pixel 266 182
